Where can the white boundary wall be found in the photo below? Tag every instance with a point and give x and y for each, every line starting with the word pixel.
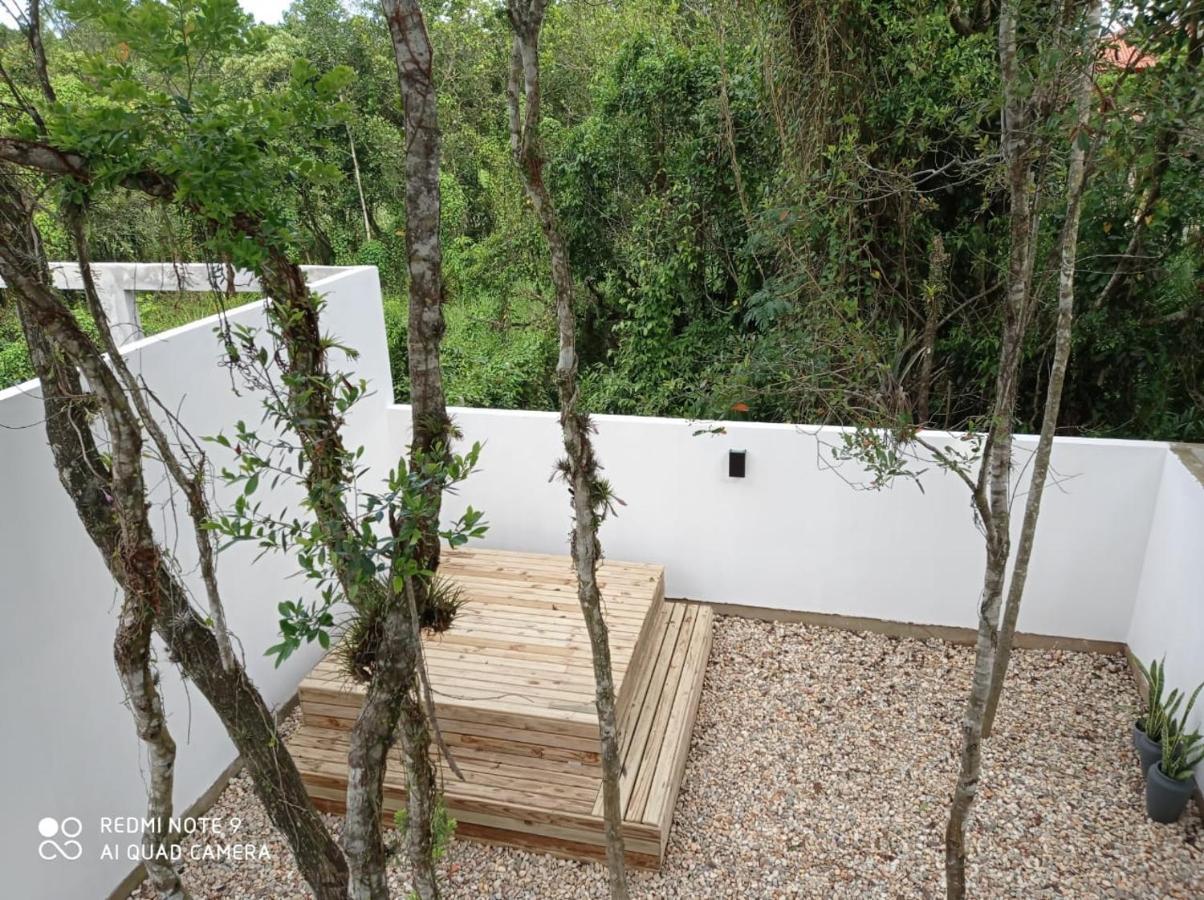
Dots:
pixel 1168 617
pixel 1119 557
pixel 795 535
pixel 69 747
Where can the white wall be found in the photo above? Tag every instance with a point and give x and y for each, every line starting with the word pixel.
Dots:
pixel 68 746
pixel 1168 616
pixel 1125 523
pixel 795 535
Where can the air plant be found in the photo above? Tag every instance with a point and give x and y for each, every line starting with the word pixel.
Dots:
pixel 356 652
pixel 443 602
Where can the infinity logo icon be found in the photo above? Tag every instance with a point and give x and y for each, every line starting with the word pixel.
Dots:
pixel 69 828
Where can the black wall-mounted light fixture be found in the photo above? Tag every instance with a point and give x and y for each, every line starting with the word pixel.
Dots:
pixel 736 461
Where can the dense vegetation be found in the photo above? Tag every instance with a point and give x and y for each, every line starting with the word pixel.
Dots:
pixel 772 208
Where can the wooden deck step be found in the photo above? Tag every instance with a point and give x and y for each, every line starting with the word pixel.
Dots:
pixel 514 674
pixel 531 765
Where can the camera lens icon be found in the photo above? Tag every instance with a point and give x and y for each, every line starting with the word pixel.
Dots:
pixel 69 829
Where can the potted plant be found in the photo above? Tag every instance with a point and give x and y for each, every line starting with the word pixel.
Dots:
pixel 1170 782
pixel 1148 730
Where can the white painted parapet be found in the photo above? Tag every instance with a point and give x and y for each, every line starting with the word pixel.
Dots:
pixel 1168 615
pixel 118 284
pixel 797 534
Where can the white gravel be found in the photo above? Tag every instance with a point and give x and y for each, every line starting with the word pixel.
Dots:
pixel 821 766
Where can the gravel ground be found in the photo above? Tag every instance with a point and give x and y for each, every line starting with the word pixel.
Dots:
pixel 821 766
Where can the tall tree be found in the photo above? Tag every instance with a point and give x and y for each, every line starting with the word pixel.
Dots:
pixel 135 562
pixel 1026 147
pixel 395 690
pixel 590 494
pixel 238 201
pixel 1076 181
pixel 59 351
pixel 109 494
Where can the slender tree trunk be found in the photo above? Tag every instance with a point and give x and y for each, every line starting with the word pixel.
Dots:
pixel 190 476
pixel 1068 255
pixel 359 186
pixel 139 678
pixel 312 410
pixel 394 694
pixel 87 479
pixel 934 293
pixel 371 739
pixel 998 458
pixel 1021 146
pixel 588 494
pixel 136 556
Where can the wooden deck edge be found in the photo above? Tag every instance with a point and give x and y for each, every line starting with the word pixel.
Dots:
pixel 567 835
pixel 553 847
pixel 664 815
pixel 644 644
pixel 953 634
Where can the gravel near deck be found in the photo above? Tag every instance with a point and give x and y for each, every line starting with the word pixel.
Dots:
pixel 821 766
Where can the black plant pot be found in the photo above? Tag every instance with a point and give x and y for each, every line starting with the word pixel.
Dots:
pixel 1150 751
pixel 1165 797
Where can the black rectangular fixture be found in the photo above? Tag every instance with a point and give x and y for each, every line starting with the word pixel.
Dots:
pixel 735 463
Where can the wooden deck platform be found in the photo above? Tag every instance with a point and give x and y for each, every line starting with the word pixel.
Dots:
pixel 513 685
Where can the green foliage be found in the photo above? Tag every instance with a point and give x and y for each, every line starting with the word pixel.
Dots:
pixel 1182 751
pixel 158 312
pixel 751 198
pixel 157 103
pixel 1156 721
pixel 1164 723
pixel 443 827
pixel 367 553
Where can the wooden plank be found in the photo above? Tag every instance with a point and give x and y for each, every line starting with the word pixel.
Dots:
pixel 343 719
pixel 663 798
pixel 664 712
pixel 565 849
pixel 514 687
pixel 642 726
pixel 315 742
pixel 628 725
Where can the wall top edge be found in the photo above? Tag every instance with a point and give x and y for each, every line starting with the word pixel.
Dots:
pixel 1192 457
pixel 697 424
pixel 322 277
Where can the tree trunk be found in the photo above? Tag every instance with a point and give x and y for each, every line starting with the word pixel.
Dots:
pixel 934 293
pixel 85 476
pixel 132 653
pixel 189 477
pixel 136 557
pixel 1016 145
pixel 589 495
pixel 394 693
pixel 1068 255
pixel 371 739
pixel 311 389
pixel 1021 147
pixel 359 186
